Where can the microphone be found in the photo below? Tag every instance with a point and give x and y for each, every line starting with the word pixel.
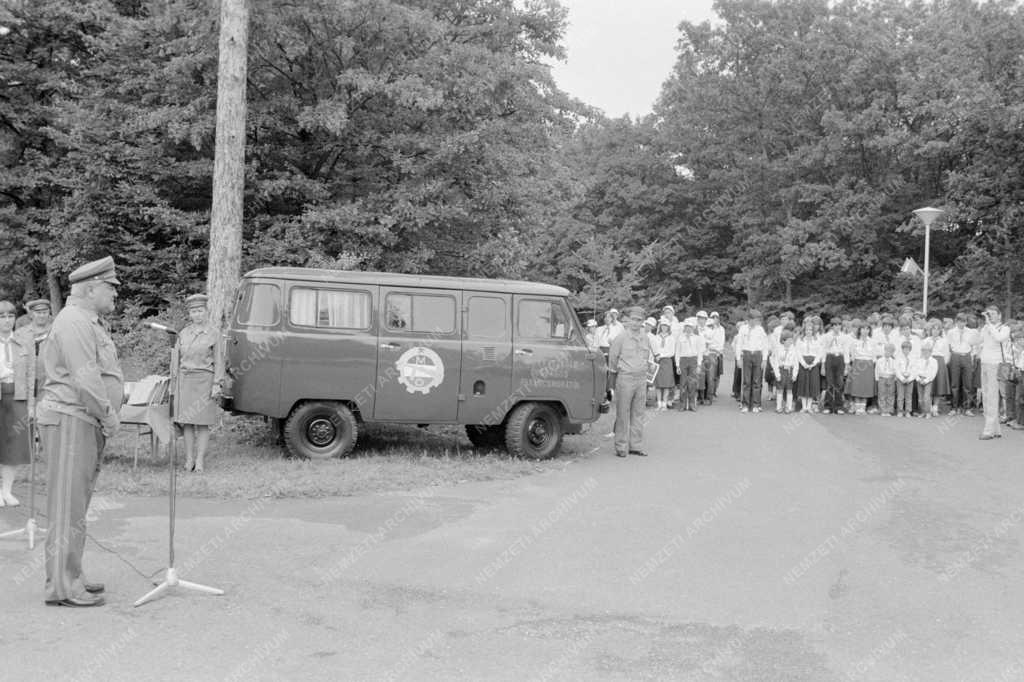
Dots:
pixel 159 327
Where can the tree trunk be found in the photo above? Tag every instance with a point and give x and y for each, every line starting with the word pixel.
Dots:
pixel 53 287
pixel 229 160
pixel 789 293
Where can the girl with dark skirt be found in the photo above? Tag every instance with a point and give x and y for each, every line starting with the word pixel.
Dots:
pixel 863 353
pixel 808 378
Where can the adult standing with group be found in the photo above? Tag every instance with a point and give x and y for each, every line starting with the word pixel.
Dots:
pixel 78 412
pixel 196 372
pixel 993 338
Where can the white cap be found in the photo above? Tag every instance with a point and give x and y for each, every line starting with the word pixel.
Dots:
pixel 650 321
pixel 702 314
pixel 668 307
pixel 690 322
pixel 591 322
pixel 613 310
pixel 714 314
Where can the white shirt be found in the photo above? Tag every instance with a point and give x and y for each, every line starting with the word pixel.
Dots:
pixel 785 359
pixel 753 339
pixel 714 337
pixel 940 348
pixel 7 359
pixel 885 367
pixel 924 369
pixel 961 340
pixel 689 346
pixel 994 346
pixel 664 346
pixel 809 345
pixel 614 329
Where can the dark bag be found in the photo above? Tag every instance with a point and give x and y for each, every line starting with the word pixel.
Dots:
pixel 1006 371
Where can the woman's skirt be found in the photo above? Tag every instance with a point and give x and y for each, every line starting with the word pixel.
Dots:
pixel 808 381
pixel 666 374
pixel 193 404
pixel 862 378
pixel 941 384
pixel 14 431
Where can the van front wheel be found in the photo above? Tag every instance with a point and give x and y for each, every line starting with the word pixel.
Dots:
pixel 533 430
pixel 321 430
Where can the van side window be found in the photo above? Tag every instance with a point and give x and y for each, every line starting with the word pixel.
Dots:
pixel 329 308
pixel 542 320
pixel 421 313
pixel 488 318
pixel 259 305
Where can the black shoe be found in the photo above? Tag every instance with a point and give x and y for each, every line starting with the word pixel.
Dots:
pixel 94 588
pixel 639 453
pixel 80 602
pixel 620 454
pixel 986 436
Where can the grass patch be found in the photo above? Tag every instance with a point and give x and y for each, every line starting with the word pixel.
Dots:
pixel 245 462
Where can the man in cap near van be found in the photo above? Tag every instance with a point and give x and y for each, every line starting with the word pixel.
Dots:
pixel 628 362
pixel 78 412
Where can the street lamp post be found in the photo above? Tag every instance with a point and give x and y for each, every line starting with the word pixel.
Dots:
pixel 927 216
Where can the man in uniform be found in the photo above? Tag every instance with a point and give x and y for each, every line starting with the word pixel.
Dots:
pixel 78 411
pixel 35 332
pixel 628 359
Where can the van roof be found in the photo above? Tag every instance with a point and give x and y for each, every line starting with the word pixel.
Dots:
pixel 508 286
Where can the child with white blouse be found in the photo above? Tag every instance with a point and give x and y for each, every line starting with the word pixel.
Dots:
pixel 905 377
pixel 785 365
pixel 885 375
pixel 925 369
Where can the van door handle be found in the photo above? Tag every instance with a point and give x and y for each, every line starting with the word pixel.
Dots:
pixel 524 351
pixel 390 346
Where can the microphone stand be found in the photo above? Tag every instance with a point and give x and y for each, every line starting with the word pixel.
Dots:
pixel 171 578
pixel 30 528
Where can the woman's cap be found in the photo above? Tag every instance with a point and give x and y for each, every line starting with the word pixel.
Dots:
pixel 196 301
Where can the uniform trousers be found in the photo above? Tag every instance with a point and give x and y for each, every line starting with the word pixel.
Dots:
pixel 904 397
pixel 961 380
pixel 630 403
pixel 835 368
pixel 689 376
pixel 886 394
pixel 751 391
pixel 709 379
pixel 990 397
pixel 72 449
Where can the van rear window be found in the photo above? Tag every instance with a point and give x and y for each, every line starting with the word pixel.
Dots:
pixel 259 305
pixel 329 308
pixel 421 313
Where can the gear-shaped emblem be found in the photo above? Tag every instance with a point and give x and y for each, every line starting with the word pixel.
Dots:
pixel 420 369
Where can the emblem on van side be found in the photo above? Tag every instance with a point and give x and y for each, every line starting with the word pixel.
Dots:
pixel 420 369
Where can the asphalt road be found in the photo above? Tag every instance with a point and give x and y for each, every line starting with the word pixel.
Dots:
pixel 745 547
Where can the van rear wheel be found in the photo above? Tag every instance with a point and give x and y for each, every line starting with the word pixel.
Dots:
pixel 486 437
pixel 321 430
pixel 534 430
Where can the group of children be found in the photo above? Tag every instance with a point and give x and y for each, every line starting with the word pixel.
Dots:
pixel 881 364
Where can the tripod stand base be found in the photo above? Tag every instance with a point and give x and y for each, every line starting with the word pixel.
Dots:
pixel 29 531
pixel 172 580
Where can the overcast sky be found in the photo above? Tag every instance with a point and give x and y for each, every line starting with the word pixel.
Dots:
pixel 621 51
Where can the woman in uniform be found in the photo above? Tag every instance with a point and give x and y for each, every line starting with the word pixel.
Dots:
pixel 195 375
pixel 17 371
